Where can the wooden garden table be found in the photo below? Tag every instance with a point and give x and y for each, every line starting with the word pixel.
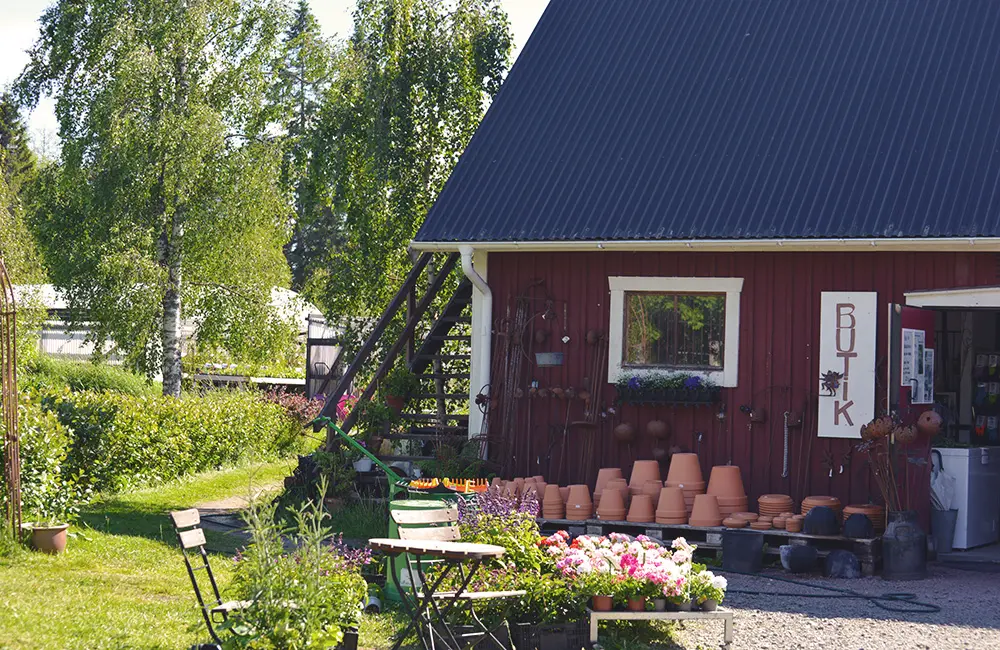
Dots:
pixel 426 617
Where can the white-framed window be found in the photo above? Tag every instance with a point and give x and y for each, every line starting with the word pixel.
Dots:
pixel 687 325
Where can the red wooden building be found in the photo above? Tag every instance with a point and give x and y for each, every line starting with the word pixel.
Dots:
pixel 753 194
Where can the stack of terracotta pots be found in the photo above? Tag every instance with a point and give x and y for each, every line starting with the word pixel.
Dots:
pixel 671 509
pixel 578 504
pixel 552 503
pixel 685 473
pixel 564 493
pixel 621 486
pixel 773 505
pixel 652 490
pixel 726 485
pixel 642 471
pixel 874 513
pixel 705 511
pixel 830 502
pixel 794 523
pixel 604 475
pixel 641 511
pixel 612 506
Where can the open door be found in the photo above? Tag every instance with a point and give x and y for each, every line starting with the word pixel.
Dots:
pixel 911 392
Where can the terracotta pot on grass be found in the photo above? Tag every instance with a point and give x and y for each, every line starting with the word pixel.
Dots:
pixel 685 468
pixel 49 539
pixel 706 511
pixel 726 481
pixel 612 507
pixel 642 471
pixel 641 511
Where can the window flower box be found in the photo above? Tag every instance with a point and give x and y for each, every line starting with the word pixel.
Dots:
pixel 677 389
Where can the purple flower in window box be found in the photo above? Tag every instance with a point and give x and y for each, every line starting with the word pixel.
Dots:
pixel 634 383
pixel 693 383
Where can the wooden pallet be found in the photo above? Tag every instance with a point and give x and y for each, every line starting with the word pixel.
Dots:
pixel 869 551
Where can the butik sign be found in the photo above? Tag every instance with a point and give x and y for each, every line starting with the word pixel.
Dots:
pixel 846 362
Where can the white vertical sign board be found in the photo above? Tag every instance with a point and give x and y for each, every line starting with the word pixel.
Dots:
pixel 847 346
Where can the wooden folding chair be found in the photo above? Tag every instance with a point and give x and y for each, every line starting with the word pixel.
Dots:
pixel 441 524
pixel 187 525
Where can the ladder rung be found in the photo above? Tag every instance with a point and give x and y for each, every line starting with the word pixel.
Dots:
pixel 444 375
pixel 451 337
pixel 444 357
pixel 430 437
pixel 434 416
pixel 441 396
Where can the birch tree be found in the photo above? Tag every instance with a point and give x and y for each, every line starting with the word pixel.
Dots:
pixel 165 199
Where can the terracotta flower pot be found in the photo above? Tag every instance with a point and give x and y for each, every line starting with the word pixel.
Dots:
pixel 706 509
pixel 49 539
pixel 652 489
pixel 564 493
pixel 637 604
pixel 552 503
pixel 395 402
pixel 518 484
pixel 684 468
pixel 496 481
pixel 604 475
pixel 726 481
pixel 612 507
pixel 601 603
pixel 735 522
pixel 671 499
pixel 749 516
pixel 642 471
pixel 641 510
pixel 620 485
pixel 793 525
pixel 578 505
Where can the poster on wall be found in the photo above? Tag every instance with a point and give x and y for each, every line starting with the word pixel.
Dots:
pixel 847 362
pixel 909 364
pixel 923 385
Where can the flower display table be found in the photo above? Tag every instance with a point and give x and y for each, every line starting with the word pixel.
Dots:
pixel 724 615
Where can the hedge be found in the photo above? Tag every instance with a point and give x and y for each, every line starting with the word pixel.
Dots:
pixel 48 373
pixel 119 442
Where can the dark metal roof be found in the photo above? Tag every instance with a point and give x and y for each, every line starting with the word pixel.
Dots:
pixel 678 119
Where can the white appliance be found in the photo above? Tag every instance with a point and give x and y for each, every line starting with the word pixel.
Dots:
pixel 977 493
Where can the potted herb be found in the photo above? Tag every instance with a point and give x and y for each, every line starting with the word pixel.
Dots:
pixel 53 516
pixel 398 386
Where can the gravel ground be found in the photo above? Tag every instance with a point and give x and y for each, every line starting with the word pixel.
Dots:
pixel 969 617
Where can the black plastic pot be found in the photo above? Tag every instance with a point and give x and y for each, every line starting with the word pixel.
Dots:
pixel 350 641
pixel 571 635
pixel 742 551
pixel 904 547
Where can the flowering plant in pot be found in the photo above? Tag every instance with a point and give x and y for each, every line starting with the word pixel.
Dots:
pixel 53 514
pixel 707 589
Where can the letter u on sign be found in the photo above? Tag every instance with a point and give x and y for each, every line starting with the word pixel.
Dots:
pixel 848 324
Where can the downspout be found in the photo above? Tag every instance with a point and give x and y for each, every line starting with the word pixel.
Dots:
pixel 479 375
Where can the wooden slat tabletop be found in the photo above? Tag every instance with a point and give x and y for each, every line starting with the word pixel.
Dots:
pixel 435 548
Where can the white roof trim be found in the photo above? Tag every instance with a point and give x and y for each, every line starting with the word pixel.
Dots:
pixel 964 298
pixel 939 244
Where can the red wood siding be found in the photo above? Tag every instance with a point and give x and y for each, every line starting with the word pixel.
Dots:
pixel 779 369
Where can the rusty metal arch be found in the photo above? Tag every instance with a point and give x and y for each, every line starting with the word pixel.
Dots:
pixel 8 402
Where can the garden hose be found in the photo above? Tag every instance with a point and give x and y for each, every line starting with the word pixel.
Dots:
pixel 884 601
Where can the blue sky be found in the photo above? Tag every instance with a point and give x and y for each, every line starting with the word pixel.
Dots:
pixel 18 29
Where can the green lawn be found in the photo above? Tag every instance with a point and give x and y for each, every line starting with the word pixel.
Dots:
pixel 121 582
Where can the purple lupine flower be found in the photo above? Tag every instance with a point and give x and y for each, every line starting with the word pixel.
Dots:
pixel 692 383
pixel 634 383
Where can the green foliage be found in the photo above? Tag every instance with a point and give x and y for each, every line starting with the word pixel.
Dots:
pixel 121 441
pixel 300 599
pixel 375 418
pixel 50 373
pixel 462 461
pixel 410 91
pixel 400 382
pixel 165 196
pixel 336 470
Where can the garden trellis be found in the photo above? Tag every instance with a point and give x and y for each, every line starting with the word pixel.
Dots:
pixel 8 401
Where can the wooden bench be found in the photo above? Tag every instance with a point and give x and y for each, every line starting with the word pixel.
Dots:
pixel 724 615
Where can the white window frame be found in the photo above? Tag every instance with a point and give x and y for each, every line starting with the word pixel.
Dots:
pixel 732 287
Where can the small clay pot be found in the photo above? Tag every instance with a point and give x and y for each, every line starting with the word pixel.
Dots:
pixel 641 511
pixel 49 539
pixel 601 603
pixel 671 500
pixel 779 522
pixel 620 485
pixel 735 522
pixel 657 429
pixel 749 516
pixel 624 433
pixel 642 471
pixel 552 503
pixel 496 481
pixel 652 489
pixel 706 509
pixel 612 506
pixel 637 604
pixel 760 525
pixel 684 468
pixel 564 493
pixel 726 481
pixel 579 505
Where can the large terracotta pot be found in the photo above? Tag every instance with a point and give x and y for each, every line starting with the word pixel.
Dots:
pixel 641 511
pixel 612 507
pixel 684 468
pixel 642 471
pixel 564 493
pixel 49 539
pixel 706 511
pixel 830 502
pixel 518 484
pixel 496 481
pixel 578 505
pixel 552 503
pixel 604 475
pixel 652 489
pixel 726 481
pixel 671 508
pixel 620 485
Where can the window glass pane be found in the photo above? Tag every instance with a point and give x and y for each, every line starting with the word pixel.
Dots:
pixel 683 330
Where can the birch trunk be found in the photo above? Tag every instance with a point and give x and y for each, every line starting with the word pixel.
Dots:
pixel 170 331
